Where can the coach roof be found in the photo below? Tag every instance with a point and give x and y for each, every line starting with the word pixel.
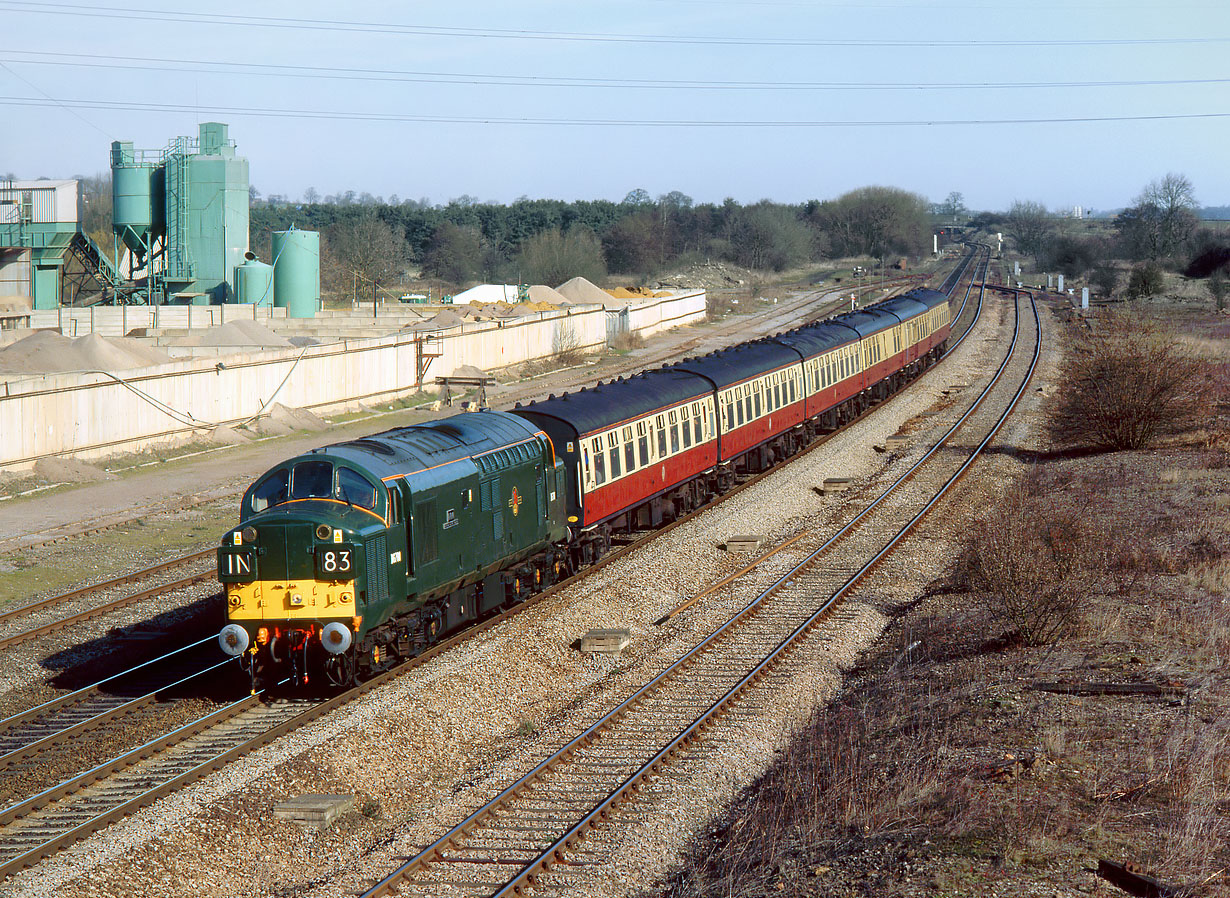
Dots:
pixel 593 409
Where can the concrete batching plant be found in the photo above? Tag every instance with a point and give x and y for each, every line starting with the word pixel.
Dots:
pixel 182 215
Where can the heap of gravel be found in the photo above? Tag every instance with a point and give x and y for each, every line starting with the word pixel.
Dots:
pixel 282 420
pixel 69 470
pixel 437 742
pixel 579 290
pixel 541 293
pixel 49 352
pixel 237 333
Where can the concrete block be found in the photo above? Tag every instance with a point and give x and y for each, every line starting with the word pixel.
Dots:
pixel 836 485
pixel 606 642
pixel 896 442
pixel 744 543
pixel 314 810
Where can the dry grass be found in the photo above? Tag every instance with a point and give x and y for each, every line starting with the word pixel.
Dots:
pixel 939 770
pixel 628 341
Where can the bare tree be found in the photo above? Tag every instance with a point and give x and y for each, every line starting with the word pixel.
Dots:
pixel 1161 221
pixel 1031 225
pixel 369 248
pixel 455 254
pixel 552 257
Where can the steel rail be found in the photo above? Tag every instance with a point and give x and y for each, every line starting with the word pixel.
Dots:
pixel 108 715
pixel 434 851
pixel 554 853
pixel 121 580
pixel 188 730
pixel 99 610
pixel 58 702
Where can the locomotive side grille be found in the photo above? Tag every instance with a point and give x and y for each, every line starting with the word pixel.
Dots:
pixel 497 524
pixel 426 519
pixel 489 494
pixel 377 570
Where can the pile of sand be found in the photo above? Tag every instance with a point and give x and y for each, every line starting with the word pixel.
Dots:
pixel 69 470
pixel 541 295
pixel 48 352
pixel 296 418
pixel 579 290
pixel 637 293
pixel 238 333
pixel 226 436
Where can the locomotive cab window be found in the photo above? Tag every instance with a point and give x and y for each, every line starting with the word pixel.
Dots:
pixel 272 490
pixel 312 480
pixel 354 488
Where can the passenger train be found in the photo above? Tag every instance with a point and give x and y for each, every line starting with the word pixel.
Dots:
pixel 353 556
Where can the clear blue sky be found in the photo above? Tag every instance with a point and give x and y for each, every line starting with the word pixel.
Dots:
pixel 581 100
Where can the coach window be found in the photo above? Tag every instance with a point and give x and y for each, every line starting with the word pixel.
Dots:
pixel 599 466
pixel 629 450
pixel 661 438
pixel 686 426
pixel 673 417
pixel 747 404
pixel 756 400
pixel 272 490
pixel 642 444
pixel 613 453
pixel 696 429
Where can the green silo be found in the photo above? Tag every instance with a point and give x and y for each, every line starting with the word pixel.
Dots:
pixel 132 198
pixel 296 272
pixel 254 282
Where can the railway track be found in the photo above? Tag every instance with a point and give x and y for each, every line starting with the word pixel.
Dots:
pixel 10 618
pixel 43 823
pixel 786 312
pixel 534 831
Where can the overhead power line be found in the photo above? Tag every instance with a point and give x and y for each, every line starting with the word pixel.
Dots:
pixel 403 28
pixel 125 105
pixel 347 73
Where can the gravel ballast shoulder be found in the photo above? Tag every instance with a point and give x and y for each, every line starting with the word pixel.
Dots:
pixel 425 750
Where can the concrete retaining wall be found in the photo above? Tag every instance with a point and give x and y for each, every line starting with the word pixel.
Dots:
pixel 92 415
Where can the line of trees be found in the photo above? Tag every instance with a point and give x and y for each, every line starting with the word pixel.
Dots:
pixel 548 241
pixel 1161 230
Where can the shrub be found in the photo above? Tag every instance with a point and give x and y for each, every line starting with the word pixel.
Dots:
pixel 1145 280
pixel 1125 384
pixel 1036 563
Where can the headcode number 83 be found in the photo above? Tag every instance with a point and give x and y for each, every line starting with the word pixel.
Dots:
pixel 335 562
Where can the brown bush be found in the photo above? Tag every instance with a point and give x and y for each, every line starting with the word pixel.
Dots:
pixel 1125 384
pixel 1036 562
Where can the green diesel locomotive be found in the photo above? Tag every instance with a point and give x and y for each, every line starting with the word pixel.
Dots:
pixel 362 553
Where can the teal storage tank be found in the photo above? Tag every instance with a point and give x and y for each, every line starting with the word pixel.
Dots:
pixel 296 272
pixel 132 198
pixel 254 282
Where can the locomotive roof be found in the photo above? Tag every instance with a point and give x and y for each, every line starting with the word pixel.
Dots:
pixel 736 364
pixel 601 407
pixel 404 450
